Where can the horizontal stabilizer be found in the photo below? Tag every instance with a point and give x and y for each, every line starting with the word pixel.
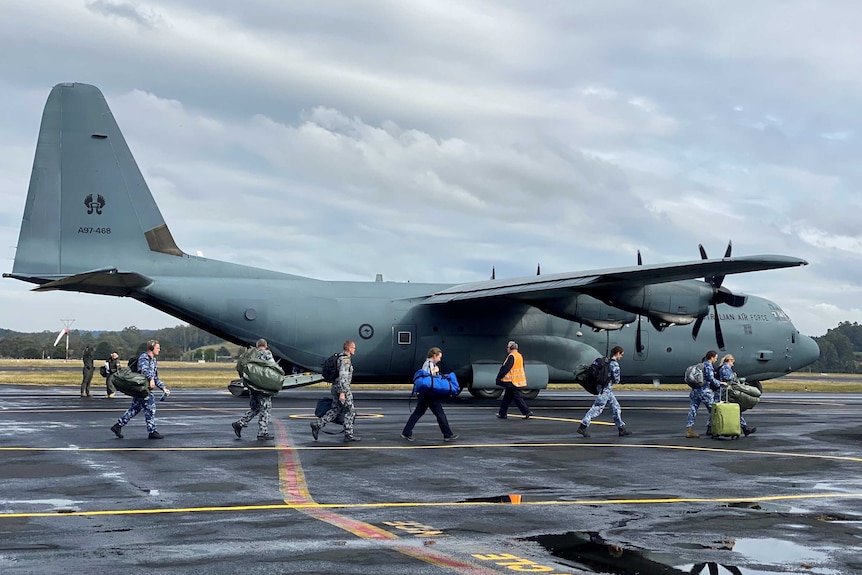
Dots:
pixel 105 281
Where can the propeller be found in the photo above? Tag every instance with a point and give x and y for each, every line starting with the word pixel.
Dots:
pixel 493 273
pixel 538 269
pixel 721 295
pixel 638 343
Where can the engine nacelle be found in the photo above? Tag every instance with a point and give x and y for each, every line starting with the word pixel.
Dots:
pixel 677 303
pixel 588 311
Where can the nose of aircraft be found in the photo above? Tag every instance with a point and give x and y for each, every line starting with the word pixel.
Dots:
pixel 805 352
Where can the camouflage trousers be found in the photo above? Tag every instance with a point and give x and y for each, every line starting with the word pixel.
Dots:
pixel 605 396
pixel 260 406
pixel 346 409
pixel 697 396
pixel 149 407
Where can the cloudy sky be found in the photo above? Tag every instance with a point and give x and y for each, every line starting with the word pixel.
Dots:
pixel 432 141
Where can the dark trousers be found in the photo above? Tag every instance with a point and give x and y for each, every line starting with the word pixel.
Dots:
pixel 85 381
pixel 424 403
pixel 511 394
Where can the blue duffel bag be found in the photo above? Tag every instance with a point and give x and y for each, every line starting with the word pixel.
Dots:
pixel 442 385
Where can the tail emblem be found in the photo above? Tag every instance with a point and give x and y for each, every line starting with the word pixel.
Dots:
pixel 94 205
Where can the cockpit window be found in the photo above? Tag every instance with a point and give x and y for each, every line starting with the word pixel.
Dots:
pixel 778 313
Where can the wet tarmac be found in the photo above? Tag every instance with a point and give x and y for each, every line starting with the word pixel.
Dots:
pixel 75 499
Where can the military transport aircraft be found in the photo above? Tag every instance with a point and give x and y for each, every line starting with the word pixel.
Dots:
pixel 88 202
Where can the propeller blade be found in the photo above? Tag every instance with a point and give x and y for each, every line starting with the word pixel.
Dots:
pixel 59 336
pixel 719 338
pixel 640 261
pixel 696 328
pixel 724 295
pixel 538 269
pixel 702 251
pixel 718 280
pixel 493 273
pixel 638 343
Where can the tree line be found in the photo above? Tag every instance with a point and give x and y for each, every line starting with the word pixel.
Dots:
pixel 176 343
pixel 840 350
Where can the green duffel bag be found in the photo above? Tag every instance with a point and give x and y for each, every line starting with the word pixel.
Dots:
pixel 132 383
pixel 745 395
pixel 264 376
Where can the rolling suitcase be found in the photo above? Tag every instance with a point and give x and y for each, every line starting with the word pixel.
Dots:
pixel 725 418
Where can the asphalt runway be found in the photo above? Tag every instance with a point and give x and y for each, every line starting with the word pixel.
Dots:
pixel 75 499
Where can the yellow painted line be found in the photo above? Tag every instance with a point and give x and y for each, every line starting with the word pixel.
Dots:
pixel 584 444
pixel 570 420
pixel 358 416
pixel 293 486
pixel 420 504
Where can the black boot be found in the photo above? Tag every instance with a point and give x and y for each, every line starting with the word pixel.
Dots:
pixel 748 430
pixel 623 431
pixel 582 429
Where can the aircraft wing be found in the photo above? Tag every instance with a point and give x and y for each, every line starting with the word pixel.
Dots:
pixel 567 284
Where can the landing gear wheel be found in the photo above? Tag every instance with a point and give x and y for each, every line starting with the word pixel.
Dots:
pixel 486 393
pixel 529 393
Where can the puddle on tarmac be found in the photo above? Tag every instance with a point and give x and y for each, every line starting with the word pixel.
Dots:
pixel 588 551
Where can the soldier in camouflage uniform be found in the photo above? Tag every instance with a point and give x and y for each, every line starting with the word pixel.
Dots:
pixel 149 366
pixel 703 395
pixel 342 398
pixel 260 403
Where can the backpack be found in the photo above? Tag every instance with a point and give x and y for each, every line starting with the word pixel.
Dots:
pixel 330 368
pixel 103 371
pixel 133 363
pixel 596 375
pixel 694 376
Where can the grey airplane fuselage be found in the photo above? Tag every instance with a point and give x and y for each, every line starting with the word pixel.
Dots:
pixel 299 317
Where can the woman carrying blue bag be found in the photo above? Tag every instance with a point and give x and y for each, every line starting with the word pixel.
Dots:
pixel 428 400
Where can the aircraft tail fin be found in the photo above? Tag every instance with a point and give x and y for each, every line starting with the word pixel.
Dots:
pixel 88 206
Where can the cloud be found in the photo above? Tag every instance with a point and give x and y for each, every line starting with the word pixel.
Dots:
pixel 127 11
pixel 500 135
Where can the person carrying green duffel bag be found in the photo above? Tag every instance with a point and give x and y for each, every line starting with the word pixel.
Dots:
pixel 138 383
pixel 746 396
pixel 264 378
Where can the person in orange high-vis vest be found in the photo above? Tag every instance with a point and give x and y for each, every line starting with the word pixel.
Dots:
pixel 512 377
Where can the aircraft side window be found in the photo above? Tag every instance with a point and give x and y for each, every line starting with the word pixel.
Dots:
pixel 405 338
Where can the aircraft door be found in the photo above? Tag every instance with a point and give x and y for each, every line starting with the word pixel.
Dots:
pixel 403 359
